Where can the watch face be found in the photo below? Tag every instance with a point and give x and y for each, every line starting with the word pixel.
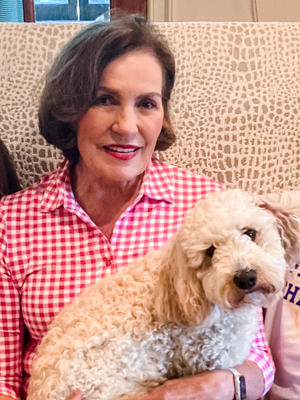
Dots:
pixel 242 384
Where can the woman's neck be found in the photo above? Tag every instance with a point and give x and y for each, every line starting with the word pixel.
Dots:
pixel 104 201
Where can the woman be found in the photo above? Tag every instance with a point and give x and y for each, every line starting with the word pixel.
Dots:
pixel 105 104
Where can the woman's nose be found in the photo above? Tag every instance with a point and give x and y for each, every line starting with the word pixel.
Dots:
pixel 125 121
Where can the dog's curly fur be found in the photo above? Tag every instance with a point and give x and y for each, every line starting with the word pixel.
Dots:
pixel 178 311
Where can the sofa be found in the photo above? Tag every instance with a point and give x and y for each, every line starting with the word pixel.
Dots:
pixel 235 105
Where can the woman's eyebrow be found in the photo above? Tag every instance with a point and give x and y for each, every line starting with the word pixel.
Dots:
pixel 150 94
pixel 113 92
pixel 108 90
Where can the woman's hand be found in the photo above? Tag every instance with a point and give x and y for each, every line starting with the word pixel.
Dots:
pixel 74 396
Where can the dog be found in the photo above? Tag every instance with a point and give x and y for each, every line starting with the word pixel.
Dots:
pixel 187 308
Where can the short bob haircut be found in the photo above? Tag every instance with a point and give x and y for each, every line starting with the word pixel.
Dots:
pixel 72 83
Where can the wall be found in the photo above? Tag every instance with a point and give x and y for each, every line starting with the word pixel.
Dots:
pixel 224 10
pixel 278 10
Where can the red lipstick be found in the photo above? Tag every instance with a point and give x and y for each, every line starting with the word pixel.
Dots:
pixel 121 152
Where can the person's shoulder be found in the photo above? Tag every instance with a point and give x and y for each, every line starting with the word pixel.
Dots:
pixel 287 198
pixel 29 195
pixel 20 199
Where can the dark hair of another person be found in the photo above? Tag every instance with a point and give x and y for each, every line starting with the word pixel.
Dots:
pixel 72 82
pixel 9 182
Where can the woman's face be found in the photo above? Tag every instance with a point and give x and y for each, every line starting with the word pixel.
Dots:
pixel 117 135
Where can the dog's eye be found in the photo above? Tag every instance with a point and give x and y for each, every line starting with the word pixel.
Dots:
pixel 251 233
pixel 210 251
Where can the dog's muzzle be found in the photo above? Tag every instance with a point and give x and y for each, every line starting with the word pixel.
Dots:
pixel 245 280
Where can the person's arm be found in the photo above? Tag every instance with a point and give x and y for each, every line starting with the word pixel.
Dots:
pixel 258 371
pixel 212 385
pixel 11 326
pixel 8 398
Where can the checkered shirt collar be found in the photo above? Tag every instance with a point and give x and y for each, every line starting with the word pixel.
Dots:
pixel 58 191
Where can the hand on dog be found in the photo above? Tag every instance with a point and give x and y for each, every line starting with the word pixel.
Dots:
pixel 75 396
pixel 212 385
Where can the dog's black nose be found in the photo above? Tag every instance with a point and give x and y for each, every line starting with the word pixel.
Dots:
pixel 245 279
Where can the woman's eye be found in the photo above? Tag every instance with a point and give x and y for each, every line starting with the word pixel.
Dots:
pixel 251 233
pixel 147 104
pixel 103 101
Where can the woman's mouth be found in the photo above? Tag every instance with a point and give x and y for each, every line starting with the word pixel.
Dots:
pixel 121 152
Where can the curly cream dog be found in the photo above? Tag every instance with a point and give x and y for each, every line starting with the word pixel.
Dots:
pixel 185 309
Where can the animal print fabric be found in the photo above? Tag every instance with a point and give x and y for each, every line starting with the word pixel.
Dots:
pixel 235 106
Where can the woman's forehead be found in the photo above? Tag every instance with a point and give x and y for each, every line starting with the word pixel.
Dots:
pixel 135 68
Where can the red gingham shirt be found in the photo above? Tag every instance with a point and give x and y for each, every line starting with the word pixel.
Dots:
pixel 50 250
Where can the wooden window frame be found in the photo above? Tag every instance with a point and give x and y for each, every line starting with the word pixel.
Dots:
pixel 28 11
pixel 130 6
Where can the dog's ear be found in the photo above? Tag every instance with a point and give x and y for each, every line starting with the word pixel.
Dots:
pixel 288 224
pixel 180 296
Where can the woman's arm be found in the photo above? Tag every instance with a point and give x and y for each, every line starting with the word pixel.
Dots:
pixel 212 385
pixel 11 340
pixel 258 371
pixel 11 326
pixel 7 398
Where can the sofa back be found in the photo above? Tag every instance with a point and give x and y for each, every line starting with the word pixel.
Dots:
pixel 235 105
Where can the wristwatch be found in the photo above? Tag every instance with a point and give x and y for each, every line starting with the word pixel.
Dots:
pixel 239 385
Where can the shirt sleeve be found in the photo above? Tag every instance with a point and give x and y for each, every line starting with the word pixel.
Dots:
pixel 288 198
pixel 260 354
pixel 11 326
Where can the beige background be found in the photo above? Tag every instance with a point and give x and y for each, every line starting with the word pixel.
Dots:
pixel 224 10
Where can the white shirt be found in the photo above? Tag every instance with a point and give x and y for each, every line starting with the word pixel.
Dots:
pixel 282 324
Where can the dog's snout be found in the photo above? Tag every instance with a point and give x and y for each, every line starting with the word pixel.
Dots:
pixel 245 280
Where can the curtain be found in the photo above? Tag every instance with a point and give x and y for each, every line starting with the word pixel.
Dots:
pixel 11 11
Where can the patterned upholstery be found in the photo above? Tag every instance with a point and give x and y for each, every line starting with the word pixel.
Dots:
pixel 235 107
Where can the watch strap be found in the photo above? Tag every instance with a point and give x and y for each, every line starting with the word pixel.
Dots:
pixel 239 384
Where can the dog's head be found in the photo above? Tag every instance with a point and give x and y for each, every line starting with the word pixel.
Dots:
pixel 232 250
